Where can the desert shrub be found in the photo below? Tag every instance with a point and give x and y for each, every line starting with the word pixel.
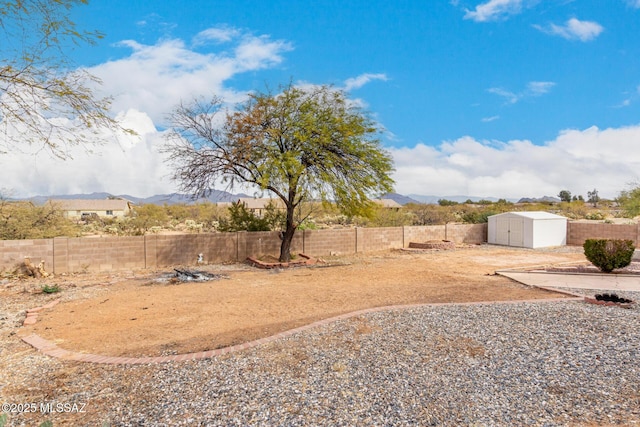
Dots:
pixel 242 219
pixel 50 289
pixel 609 254
pixel 630 202
pixel 424 214
pixel 386 217
pixel 25 220
pixel 598 216
pixel 477 217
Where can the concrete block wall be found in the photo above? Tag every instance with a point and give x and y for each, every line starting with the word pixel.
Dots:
pixel 183 249
pixel 264 243
pixel 578 232
pixel 161 251
pixel 103 254
pixel 378 239
pixel 13 252
pixel 467 233
pixel 320 243
pixel 424 233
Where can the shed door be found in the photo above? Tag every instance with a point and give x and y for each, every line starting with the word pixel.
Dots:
pixel 516 232
pixel 510 231
pixel 502 231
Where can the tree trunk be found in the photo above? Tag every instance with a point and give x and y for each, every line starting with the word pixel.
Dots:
pixel 287 236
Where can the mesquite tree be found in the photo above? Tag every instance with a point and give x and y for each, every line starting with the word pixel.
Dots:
pixel 46 100
pixel 299 144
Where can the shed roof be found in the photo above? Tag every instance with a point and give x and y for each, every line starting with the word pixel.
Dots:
pixel 533 215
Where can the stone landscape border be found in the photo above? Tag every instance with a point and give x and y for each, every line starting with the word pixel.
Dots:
pixel 304 261
pixel 51 349
pixel 433 244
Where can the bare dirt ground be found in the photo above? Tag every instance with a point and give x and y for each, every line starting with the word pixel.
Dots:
pixel 134 313
pixel 137 314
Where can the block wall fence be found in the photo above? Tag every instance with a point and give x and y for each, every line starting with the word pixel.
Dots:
pixel 62 255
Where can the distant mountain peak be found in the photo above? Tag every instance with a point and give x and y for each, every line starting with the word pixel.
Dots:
pixel 543 199
pixel 399 198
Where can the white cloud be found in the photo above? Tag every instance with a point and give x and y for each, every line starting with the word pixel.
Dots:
pixel 510 97
pixel 361 80
pixel 539 88
pixel 493 10
pixel 577 160
pixel 634 3
pixel 133 166
pixel 146 86
pixel 155 78
pixel 490 119
pixel 574 29
pixel 216 35
pixel 533 89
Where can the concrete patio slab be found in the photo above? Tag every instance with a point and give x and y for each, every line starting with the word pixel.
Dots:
pixel 609 282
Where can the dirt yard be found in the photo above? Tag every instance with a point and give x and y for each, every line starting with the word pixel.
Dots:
pixel 138 314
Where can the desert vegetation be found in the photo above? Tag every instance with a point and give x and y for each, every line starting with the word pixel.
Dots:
pixel 25 220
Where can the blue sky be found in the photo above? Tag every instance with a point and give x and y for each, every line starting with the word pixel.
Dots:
pixel 491 98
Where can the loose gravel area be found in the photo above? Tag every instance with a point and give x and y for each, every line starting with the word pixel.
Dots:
pixel 508 364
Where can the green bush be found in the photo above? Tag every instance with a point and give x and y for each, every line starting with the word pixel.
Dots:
pixel 477 217
pixel 597 216
pixel 242 219
pixel 608 254
pixel 50 289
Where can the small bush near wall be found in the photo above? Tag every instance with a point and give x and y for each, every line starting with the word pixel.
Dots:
pixel 609 254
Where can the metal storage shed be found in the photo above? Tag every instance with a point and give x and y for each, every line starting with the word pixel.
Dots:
pixel 527 229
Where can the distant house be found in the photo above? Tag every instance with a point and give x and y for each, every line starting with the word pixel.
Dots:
pixel 388 204
pixel 83 208
pixel 258 206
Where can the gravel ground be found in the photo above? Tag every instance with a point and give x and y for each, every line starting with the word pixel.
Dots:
pixel 521 364
pixel 508 364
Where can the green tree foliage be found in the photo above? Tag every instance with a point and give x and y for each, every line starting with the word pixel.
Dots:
pixel 299 144
pixel 477 216
pixel 24 220
pixel 276 217
pixel 629 201
pixel 565 196
pixel 609 254
pixel 388 217
pixel 210 215
pixel 143 218
pixel 576 209
pixel 428 214
pixel 39 84
pixel 242 219
pixel 593 197
pixel 445 202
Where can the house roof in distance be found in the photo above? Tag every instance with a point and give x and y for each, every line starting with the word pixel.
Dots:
pixel 260 203
pixel 91 204
pixel 388 203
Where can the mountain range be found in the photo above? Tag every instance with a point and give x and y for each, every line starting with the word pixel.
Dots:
pixel 216 196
